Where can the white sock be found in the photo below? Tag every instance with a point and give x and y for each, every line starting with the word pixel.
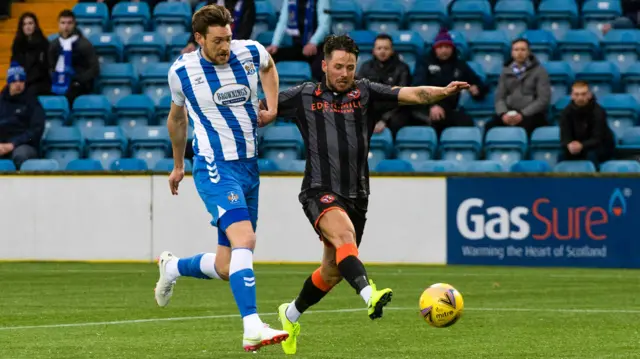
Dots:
pixel 208 265
pixel 252 324
pixel 171 268
pixel 292 313
pixel 365 293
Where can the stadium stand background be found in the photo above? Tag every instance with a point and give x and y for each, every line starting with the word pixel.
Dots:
pixel 122 126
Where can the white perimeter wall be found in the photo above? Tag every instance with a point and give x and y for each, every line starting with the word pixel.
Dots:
pixel 136 217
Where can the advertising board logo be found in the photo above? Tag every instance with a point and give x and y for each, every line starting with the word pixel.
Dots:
pixel 542 219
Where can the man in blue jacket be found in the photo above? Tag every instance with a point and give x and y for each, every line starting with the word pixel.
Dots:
pixel 21 119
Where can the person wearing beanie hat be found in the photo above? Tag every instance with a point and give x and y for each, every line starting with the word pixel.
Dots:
pixel 441 66
pixel 21 119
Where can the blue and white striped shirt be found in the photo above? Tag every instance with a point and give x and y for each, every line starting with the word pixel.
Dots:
pixel 221 100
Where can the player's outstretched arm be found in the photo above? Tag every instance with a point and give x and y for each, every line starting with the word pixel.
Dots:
pixel 270 85
pixel 177 125
pixel 423 95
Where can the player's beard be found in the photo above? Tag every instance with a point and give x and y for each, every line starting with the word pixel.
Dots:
pixel 218 57
pixel 339 84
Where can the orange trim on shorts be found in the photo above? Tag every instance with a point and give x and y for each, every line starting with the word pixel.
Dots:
pixel 315 225
pixel 349 249
pixel 316 279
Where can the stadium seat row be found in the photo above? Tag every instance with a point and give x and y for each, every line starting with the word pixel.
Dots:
pixel 385 166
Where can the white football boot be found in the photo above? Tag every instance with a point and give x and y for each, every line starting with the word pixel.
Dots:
pixel 266 336
pixel 164 286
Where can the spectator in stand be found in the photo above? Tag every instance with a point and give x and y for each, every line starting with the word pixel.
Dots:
pixel 584 131
pixel 387 68
pixel 5 9
pixel 308 24
pixel 440 67
pixel 630 18
pixel 30 48
pixel 73 60
pixel 523 93
pixel 21 119
pixel 244 17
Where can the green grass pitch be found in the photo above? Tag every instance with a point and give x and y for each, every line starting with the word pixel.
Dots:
pixel 81 310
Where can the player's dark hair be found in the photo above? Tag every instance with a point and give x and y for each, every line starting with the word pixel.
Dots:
pixel 384 37
pixel 210 15
pixel 521 39
pixel 580 83
pixel 340 43
pixel 67 13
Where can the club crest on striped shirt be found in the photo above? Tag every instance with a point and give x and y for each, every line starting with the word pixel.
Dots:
pixel 327 198
pixel 249 67
pixel 355 94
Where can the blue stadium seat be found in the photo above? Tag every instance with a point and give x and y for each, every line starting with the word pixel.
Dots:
pixel 62 144
pixel 543 43
pixel 575 167
pixel 531 166
pixel 91 111
pixel 150 143
pixel 437 166
pixel 620 166
pixel 129 18
pixel 416 143
pixel 346 16
pixel 294 166
pixel 108 47
pixel 117 80
pixel 153 81
pixel 461 143
pixel 483 166
pixel 128 164
pixel 621 47
pixel 175 45
pixel 545 144
pixel 56 109
pixel 267 165
pixel 514 16
pixel 390 166
pixel 506 144
pixel 622 111
pixel 384 16
pixel 91 18
pixel 493 75
pixel 365 39
pixel 166 165
pixel 557 107
pixel 105 144
pixel 481 111
pixel 630 142
pixel 561 77
pixel 145 48
pixel 408 45
pixel 282 143
pixel 162 111
pixel 489 48
pixel 596 13
pixel 426 17
pixel 7 166
pixel 631 81
pixel 172 18
pixel 39 165
pixel 381 146
pixel 134 111
pixel 603 77
pixel 293 73
pixel 557 16
pixel 471 16
pixel 265 17
pixel 578 48
pixel 83 164
pixel 265 37
pixel 477 68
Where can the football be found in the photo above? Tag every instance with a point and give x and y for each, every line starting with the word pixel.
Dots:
pixel 441 305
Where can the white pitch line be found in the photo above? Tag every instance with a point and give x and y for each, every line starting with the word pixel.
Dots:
pixel 224 316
